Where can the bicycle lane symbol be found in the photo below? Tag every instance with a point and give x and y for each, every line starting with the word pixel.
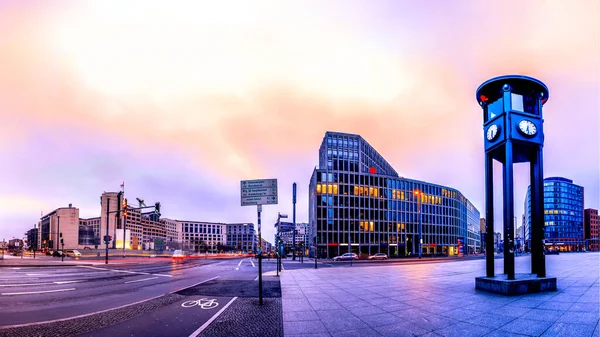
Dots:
pixel 203 303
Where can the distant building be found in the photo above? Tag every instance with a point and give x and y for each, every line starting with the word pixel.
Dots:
pixel 200 236
pixel 241 237
pixel 89 232
pixel 266 245
pixel 482 231
pixel 174 233
pixel 592 222
pixel 498 242
pixel 302 236
pixel 32 238
pixel 563 215
pixel 63 220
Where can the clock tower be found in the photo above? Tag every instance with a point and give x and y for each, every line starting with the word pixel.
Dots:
pixel 513 133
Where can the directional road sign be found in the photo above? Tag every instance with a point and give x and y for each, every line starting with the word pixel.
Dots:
pixel 259 192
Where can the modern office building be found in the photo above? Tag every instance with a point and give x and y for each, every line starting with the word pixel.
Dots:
pixel 32 238
pixel 266 246
pixel 146 230
pixel 61 223
pixel 591 223
pixel 173 236
pixel 241 237
pixel 563 215
pixel 358 203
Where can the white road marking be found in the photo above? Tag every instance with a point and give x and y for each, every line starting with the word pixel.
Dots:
pixel 163 275
pixel 205 325
pixel 116 270
pixel 145 279
pixel 242 260
pixel 37 292
pixel 282 266
pixel 24 284
pixel 38 284
pixel 35 274
pixel 252 263
pixel 106 310
pixel 15 268
pixel 65 282
pixel 256 279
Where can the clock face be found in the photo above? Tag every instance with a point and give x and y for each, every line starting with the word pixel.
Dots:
pixel 492 132
pixel 527 128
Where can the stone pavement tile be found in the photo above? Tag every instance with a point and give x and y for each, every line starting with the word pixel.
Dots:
pixel 543 315
pixel 596 331
pixel 580 317
pixel 404 328
pixel 380 319
pixel 580 306
pixel 552 305
pixel 513 312
pixel 569 329
pixel 357 333
pixel 430 334
pixel 326 305
pixel 575 290
pixel 460 314
pixel 353 303
pixel 394 307
pixel 324 334
pixel 525 326
pixel 482 307
pixel 366 310
pixel 525 303
pixel 433 322
pixel 490 320
pixel 344 324
pixel 382 301
pixel 463 329
pixel 500 333
pixel 304 327
pixel 325 315
pixel 296 316
pixel 564 297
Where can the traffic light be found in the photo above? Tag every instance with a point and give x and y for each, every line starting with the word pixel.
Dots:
pixel 62 242
pixel 157 208
pixel 60 234
pixel 125 207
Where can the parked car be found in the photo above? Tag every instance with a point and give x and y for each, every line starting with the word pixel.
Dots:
pixel 347 256
pixel 50 253
pixel 72 253
pixel 58 253
pixel 378 256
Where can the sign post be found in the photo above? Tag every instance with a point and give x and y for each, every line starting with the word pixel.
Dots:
pixel 259 192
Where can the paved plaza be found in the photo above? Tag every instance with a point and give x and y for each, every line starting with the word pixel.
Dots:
pixel 440 300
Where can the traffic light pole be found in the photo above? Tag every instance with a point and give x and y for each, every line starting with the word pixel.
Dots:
pixel 294 228
pixel 106 237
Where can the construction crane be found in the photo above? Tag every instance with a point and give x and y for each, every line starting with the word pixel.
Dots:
pixel 141 202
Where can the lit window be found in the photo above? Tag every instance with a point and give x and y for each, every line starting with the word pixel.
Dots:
pixel 355 190
pixel 335 189
pixel 393 194
pixel 330 189
pixel 371 226
pixel 318 188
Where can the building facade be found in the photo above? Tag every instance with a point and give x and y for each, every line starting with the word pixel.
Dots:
pixel 591 224
pixel 62 223
pixel 241 237
pixel 198 236
pixel 358 203
pixel 302 237
pixel 563 215
pixel 89 232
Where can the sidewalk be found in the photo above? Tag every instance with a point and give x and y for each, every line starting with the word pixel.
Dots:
pixel 440 300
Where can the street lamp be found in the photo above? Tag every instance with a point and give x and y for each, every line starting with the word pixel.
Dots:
pixel 418 194
pixel 279 217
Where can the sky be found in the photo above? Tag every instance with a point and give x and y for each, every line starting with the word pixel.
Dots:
pixel 182 100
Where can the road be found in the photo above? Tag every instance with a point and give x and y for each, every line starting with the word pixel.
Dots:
pixel 147 295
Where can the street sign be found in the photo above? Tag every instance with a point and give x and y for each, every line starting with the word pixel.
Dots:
pixel 259 183
pixel 258 192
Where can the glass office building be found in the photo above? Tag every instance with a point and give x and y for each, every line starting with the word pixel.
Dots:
pixel 563 215
pixel 358 203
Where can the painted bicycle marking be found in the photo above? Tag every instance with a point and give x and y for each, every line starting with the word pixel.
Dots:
pixel 203 303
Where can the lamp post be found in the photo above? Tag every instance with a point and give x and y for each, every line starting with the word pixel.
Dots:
pixel 35 240
pixel 418 194
pixel 57 233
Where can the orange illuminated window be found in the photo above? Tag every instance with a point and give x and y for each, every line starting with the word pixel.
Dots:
pixel 330 189
pixel 355 190
pixel 393 194
pixel 335 189
pixel 318 188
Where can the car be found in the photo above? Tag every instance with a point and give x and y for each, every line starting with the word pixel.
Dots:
pixel 58 253
pixel 72 253
pixel 347 256
pixel 378 256
pixel 178 254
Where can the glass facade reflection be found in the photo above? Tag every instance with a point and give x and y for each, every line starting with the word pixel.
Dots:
pixel 358 203
pixel 563 215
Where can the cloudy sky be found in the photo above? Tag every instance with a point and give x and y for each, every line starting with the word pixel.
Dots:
pixel 183 99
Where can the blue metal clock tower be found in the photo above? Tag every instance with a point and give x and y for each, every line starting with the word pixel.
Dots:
pixel 513 133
